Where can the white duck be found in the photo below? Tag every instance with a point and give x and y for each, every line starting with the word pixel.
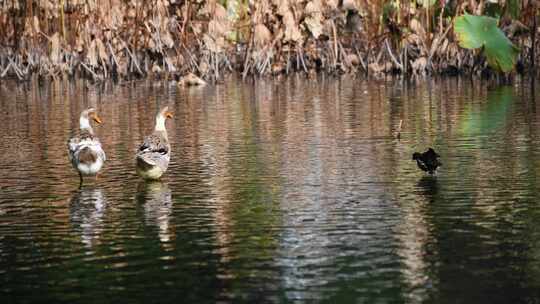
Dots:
pixel 154 153
pixel 85 152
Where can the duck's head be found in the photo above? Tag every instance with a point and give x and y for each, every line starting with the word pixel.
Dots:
pixel 86 115
pixel 162 115
pixel 416 155
pixel 165 112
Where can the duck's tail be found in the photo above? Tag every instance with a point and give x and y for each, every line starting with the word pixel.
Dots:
pixel 144 163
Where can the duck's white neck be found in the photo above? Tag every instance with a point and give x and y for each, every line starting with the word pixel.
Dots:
pixel 85 124
pixel 160 123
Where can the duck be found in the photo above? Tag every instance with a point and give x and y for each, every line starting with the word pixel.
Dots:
pixel 153 156
pixel 85 152
pixel 427 161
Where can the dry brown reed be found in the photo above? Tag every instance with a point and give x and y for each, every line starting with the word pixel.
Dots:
pixel 127 39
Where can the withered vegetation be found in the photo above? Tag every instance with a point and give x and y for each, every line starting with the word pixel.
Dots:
pixel 169 38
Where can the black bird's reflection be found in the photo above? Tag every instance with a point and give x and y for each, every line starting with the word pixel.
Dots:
pixel 156 199
pixel 86 211
pixel 429 187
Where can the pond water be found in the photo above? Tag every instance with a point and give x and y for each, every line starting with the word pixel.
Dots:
pixel 289 190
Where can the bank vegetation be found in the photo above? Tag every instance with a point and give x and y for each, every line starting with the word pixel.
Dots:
pixel 127 39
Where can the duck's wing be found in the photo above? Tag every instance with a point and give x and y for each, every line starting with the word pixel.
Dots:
pixel 432 161
pixel 96 146
pixel 422 164
pixel 73 146
pixel 431 157
pixel 154 151
pixel 154 144
pixel 146 161
pixel 430 165
pixel 78 144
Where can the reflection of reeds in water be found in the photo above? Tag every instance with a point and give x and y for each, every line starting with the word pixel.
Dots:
pixel 86 210
pixel 413 234
pixel 156 199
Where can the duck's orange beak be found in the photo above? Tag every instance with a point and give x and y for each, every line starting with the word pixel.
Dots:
pixel 96 119
pixel 168 115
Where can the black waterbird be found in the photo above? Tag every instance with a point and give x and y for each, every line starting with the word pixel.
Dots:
pixel 427 161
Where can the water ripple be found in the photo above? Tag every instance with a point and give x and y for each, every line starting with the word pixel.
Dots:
pixel 277 191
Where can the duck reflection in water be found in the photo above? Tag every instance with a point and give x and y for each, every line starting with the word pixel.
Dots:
pixel 429 187
pixel 156 199
pixel 86 211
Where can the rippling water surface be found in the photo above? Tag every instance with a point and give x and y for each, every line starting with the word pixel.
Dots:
pixel 278 191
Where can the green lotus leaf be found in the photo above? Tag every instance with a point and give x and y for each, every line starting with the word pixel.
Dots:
pixel 475 32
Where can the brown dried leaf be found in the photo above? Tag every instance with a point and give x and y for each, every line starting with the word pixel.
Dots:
pixel 278 68
pixel 203 67
pixel 79 44
pixel 35 25
pixel 261 35
pixel 414 39
pixel 191 80
pixel 208 8
pixel 328 27
pixel 444 46
pixel 349 5
pixel 91 55
pixel 314 18
pixel 161 6
pixel 516 28
pixel 220 13
pixel 167 39
pixel 331 4
pixel 156 68
pixel 314 25
pixel 132 13
pixel 64 67
pixel 417 28
pixel 352 59
pixel 55 55
pixel 171 63
pixel 419 65
pixel 117 17
pixel 216 29
pixel 292 32
pixel 180 61
pixel 282 7
pixel 102 53
pixel 211 44
pixel 152 44
pixel 122 66
pixel 375 67
pixel 313 7
pixel 196 27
